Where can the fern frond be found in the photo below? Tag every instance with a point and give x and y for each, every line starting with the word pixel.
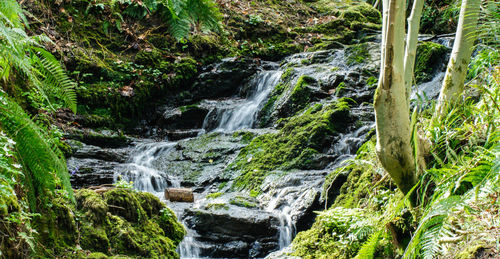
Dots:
pixel 46 167
pixel 54 79
pixel 367 250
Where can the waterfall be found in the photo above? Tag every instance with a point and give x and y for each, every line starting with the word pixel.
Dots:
pixel 287 227
pixel 188 248
pixel 141 172
pixel 243 116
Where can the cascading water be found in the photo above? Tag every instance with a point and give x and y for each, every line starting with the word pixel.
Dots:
pixel 286 228
pixel 141 172
pixel 231 114
pixel 243 116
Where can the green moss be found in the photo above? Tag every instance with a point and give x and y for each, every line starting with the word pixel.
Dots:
pixel 171 226
pixel 429 55
pixel 150 203
pixel 357 54
pixel 470 251
pixel 364 13
pixel 335 234
pixel 217 206
pixel 124 203
pixel 148 57
pixel 242 201
pixel 301 94
pixel 137 224
pixel 97 255
pixel 214 195
pixel 294 146
pixel 245 136
pixel 94 238
pixel 357 186
pixel 192 176
pixel 92 205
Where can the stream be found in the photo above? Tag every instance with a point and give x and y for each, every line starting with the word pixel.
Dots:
pixel 235 224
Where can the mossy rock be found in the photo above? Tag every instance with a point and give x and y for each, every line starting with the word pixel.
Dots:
pixel 137 224
pixel 293 147
pixel 150 203
pixel 125 204
pixel 94 238
pixel 357 54
pixel 362 13
pixel 92 205
pixel 429 56
pixel 169 224
pixel 333 234
pixel 146 239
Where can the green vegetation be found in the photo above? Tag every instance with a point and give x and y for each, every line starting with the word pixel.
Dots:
pixel 294 146
pixel 125 58
pixel 357 54
pixel 457 190
pixel 214 195
pixel 428 55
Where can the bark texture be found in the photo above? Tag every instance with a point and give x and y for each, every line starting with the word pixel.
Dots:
pixel 411 43
pixel 453 83
pixel 391 106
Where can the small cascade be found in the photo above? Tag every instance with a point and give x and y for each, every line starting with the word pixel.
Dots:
pixel 428 90
pixel 243 115
pixel 189 248
pixel 287 227
pixel 349 143
pixel 141 172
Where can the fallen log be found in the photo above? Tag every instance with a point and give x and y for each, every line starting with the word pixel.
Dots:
pixel 179 194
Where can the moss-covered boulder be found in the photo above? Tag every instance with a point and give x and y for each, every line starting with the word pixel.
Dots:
pixel 295 146
pixel 429 56
pixel 116 222
pixel 337 233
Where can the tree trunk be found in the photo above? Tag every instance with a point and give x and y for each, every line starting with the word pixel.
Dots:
pixel 411 44
pixel 392 116
pixel 453 83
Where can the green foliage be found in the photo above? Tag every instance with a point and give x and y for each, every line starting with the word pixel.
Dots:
pixel 180 15
pixel 428 56
pixel 337 233
pixel 489 28
pixel 21 53
pixel 43 160
pixel 440 16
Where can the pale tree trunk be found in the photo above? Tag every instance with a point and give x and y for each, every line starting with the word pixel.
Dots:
pixel 411 44
pixel 392 116
pixel 453 83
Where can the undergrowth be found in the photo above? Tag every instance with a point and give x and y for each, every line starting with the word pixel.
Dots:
pixel 457 213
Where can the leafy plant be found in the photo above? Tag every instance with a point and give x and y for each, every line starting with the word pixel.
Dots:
pixel 181 16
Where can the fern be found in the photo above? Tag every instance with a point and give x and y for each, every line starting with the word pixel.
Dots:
pixel 181 16
pixel 54 79
pixel 367 250
pixel 44 162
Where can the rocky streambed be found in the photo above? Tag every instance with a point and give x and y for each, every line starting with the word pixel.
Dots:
pixel 255 146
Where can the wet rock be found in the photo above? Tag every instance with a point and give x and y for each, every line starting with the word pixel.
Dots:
pixel 199 160
pixel 92 165
pixel 185 117
pixel 174 135
pixel 86 172
pixel 102 138
pixel 235 231
pixel 104 154
pixel 297 194
pixel 224 79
